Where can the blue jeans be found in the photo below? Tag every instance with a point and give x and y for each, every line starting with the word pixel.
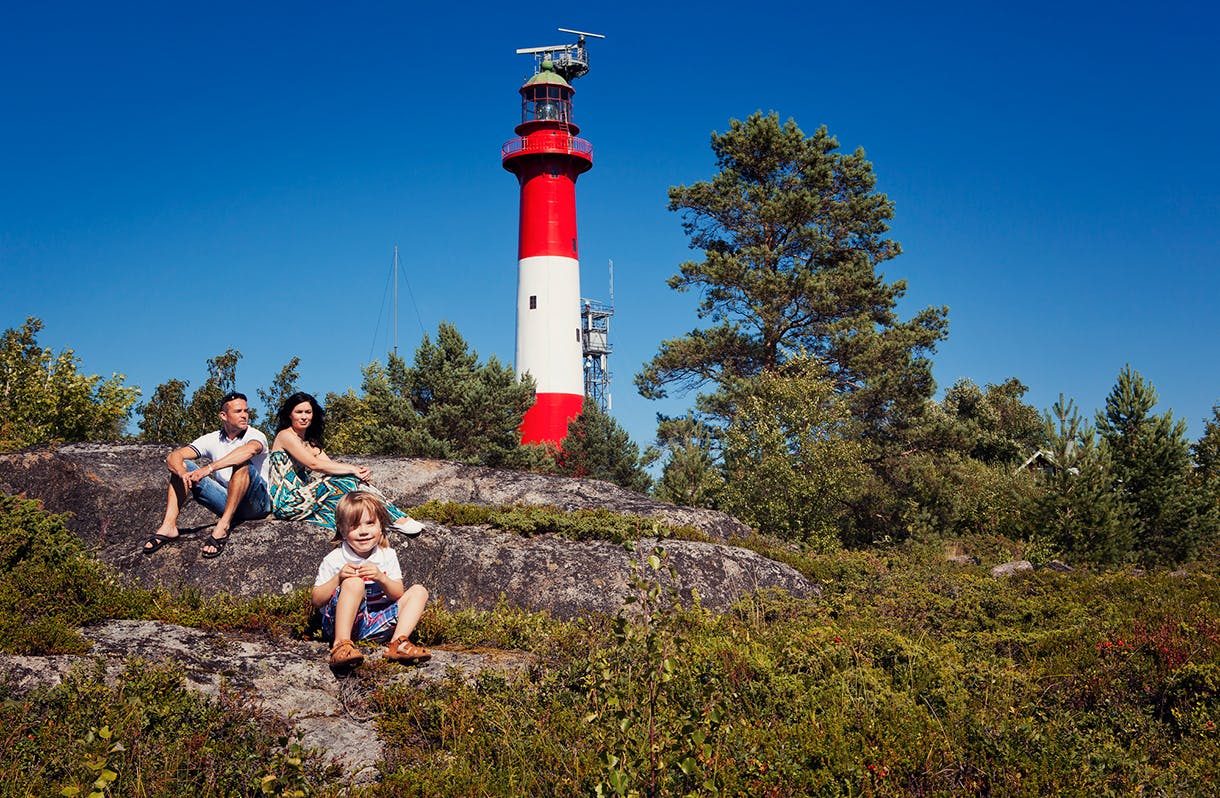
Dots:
pixel 212 495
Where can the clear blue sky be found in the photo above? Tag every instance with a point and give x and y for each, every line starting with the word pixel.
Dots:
pixel 178 179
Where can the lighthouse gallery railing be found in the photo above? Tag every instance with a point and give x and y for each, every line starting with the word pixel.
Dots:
pixel 522 144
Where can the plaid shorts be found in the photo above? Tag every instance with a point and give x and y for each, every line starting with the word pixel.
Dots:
pixel 375 619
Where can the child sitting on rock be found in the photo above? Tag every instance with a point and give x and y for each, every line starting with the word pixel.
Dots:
pixel 359 586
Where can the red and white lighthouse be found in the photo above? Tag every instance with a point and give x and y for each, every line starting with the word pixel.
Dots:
pixel 547 157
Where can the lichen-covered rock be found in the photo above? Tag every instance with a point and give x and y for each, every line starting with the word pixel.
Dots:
pixel 472 567
pixel 116 494
pixel 1010 568
pixel 287 679
pixel 415 481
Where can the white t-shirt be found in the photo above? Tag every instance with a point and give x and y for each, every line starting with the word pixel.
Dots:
pixel 216 445
pixel 384 558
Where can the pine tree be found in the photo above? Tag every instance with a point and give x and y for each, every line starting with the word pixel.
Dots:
pixel 596 447
pixel 282 386
pixel 1206 450
pixel 444 405
pixel 168 417
pixel 792 233
pixel 690 475
pixel 1206 479
pixel 1151 462
pixel 379 420
pixel 1081 513
pixel 471 411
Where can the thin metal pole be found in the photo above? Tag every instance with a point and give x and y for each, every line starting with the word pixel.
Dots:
pixel 396 300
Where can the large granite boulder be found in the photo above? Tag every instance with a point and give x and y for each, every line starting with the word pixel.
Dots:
pixel 116 494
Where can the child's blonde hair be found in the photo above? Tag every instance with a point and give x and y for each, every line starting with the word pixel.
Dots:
pixel 350 512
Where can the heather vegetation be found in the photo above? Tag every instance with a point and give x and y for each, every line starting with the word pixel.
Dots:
pixel 909 676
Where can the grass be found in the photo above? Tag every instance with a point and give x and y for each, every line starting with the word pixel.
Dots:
pixel 910 676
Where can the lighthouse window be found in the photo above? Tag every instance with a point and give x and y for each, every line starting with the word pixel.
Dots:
pixel 533 303
pixel 550 103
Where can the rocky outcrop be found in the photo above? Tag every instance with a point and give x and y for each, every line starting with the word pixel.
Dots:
pixel 286 679
pixel 88 478
pixel 116 495
pixel 1010 568
pixel 414 481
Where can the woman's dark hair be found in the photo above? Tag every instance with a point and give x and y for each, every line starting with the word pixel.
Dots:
pixel 317 427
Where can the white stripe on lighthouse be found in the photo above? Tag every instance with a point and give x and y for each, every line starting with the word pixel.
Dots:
pixel 548 334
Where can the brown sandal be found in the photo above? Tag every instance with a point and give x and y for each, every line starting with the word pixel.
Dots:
pixel 345 653
pixel 402 650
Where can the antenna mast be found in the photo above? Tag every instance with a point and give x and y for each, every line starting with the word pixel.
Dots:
pixel 396 300
pixel 570 60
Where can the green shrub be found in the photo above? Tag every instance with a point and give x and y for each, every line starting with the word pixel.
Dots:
pixel 154 736
pixel 49 585
pixel 275 614
pixel 582 524
pixel 502 627
pixel 952 494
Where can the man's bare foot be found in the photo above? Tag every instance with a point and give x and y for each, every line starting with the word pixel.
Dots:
pixel 215 544
pixel 159 538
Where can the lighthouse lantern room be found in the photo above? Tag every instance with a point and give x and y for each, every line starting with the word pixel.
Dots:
pixel 547 156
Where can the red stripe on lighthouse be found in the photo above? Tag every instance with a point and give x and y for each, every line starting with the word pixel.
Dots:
pixel 548 208
pixel 547 421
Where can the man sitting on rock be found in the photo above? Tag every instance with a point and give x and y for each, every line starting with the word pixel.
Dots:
pixel 233 485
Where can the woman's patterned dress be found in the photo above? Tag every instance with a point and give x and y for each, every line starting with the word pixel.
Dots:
pixel 298 494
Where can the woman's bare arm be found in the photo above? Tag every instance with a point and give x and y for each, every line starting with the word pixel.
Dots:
pixel 315 459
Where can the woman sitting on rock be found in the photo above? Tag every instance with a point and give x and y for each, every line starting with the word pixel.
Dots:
pixel 306 485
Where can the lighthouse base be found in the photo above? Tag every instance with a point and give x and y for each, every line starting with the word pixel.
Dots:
pixel 547 421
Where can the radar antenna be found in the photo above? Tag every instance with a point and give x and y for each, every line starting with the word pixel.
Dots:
pixel 570 60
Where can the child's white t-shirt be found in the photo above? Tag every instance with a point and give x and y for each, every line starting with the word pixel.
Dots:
pixel 384 558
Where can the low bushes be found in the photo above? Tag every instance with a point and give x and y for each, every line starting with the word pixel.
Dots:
pixel 145 735
pixel 527 520
pixel 908 676
pixel 49 584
